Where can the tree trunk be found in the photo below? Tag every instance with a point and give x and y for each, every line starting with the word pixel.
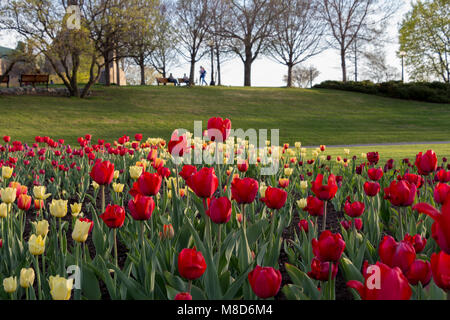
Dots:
pixel 289 77
pixel 107 70
pixel 192 74
pixel 248 66
pixel 343 66
pixel 118 72
pixel 219 77
pixel 142 66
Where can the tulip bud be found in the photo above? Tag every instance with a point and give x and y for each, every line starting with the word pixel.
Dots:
pixel 302 203
pixel 26 277
pixel 10 284
pixel 265 282
pixel 81 231
pixel 41 227
pixel 39 193
pixel 118 187
pixel 75 208
pixel 9 195
pixel 183 296
pixel 168 232
pixel 58 208
pixel 60 288
pixel 3 210
pixel 36 245
pixel 135 172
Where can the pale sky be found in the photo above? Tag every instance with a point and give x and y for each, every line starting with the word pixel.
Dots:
pixel 268 73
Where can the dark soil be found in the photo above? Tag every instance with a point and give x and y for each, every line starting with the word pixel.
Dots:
pixel 333 224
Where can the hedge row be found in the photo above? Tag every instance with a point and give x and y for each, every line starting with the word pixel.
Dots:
pixel 436 92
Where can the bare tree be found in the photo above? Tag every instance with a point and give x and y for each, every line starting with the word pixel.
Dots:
pixel 351 20
pixel 249 26
pixel 192 22
pixel 303 76
pixel 164 52
pixel 298 33
pixel 377 69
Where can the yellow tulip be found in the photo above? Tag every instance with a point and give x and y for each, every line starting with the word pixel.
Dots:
pixel 26 277
pixel 298 145
pixel 262 191
pixel 58 208
pixel 347 151
pixel 135 172
pixel 3 210
pixel 304 185
pixel 41 228
pixel 60 288
pixel 36 245
pixel 10 284
pixel 95 185
pixel 118 187
pixel 39 193
pixel 9 195
pixel 81 231
pixel 75 208
pixel 7 172
pixel 288 172
pixel 302 203
pixel 116 174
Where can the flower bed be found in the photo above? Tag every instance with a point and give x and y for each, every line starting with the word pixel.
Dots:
pixel 127 220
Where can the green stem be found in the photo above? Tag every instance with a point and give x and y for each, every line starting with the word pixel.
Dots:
pixel 324 225
pixel 190 286
pixel 77 259
pixel 38 275
pixel 142 240
pixel 103 198
pixel 330 280
pixel 219 236
pixel 115 248
pixel 244 218
pixel 400 214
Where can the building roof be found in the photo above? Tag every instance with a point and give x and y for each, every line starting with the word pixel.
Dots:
pixel 5 51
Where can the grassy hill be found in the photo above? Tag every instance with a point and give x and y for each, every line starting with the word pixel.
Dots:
pixel 311 116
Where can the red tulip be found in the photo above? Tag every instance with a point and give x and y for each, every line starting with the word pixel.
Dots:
pixel 188 171
pixel 348 224
pixel 329 247
pixel 373 157
pixel 283 183
pixel 401 193
pixel 321 270
pixel 138 137
pixel 304 225
pixel 440 266
pixel 24 202
pixel 178 145
pixel 420 271
pixel 393 285
pixel 204 183
pixel 375 174
pixel 314 206
pixel 102 172
pixel 148 184
pixel 440 230
pixel 164 172
pixel 274 198
pixel 396 254
pixel 265 282
pixel 443 176
pixel 183 296
pixel 324 192
pixel 243 166
pixel 426 163
pixel 441 192
pixel 114 216
pixel 220 210
pixel 191 264
pixel 244 190
pixel 141 207
pixel 413 179
pixel 371 188
pixel 355 209
pixel 219 129
pixel 418 242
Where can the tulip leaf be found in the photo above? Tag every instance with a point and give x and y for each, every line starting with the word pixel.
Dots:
pixel 301 279
pixel 89 285
pixel 350 271
pixel 210 277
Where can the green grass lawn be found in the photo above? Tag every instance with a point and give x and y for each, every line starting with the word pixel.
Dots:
pixel 313 117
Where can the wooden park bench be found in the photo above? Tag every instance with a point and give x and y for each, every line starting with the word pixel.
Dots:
pixel 5 80
pixel 181 80
pixel 34 79
pixel 163 81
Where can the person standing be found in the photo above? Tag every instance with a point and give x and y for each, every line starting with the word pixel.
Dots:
pixel 203 76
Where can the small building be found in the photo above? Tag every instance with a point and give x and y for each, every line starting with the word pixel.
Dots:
pixel 13 76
